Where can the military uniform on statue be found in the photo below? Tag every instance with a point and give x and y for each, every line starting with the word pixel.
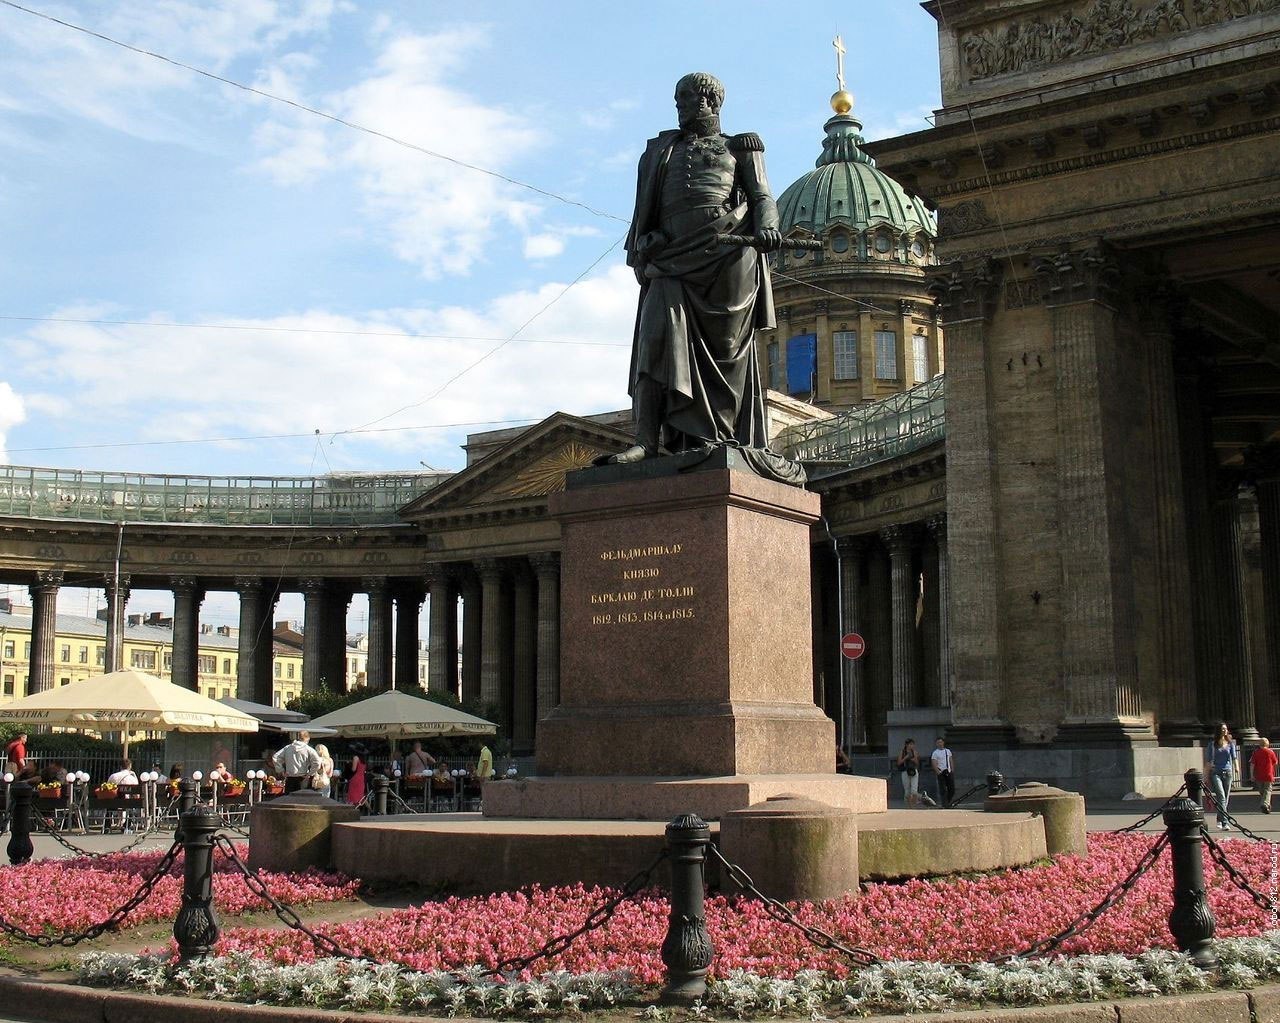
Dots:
pixel 694 380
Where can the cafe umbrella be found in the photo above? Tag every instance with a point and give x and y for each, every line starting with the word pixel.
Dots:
pixel 127 701
pixel 395 715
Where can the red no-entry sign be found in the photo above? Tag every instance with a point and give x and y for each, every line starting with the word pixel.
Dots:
pixel 853 646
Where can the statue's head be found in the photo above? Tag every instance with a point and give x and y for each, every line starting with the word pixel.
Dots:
pixel 698 95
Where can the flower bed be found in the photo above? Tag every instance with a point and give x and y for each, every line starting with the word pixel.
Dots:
pixel 960 920
pixel 58 896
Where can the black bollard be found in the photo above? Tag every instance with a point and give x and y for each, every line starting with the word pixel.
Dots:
pixel 1191 921
pixel 995 783
pixel 196 926
pixel 380 785
pixel 20 848
pixel 187 790
pixel 686 950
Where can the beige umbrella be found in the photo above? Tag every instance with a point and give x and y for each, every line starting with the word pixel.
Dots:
pixel 396 715
pixel 127 701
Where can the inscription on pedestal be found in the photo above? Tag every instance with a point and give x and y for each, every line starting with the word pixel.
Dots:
pixel 645 585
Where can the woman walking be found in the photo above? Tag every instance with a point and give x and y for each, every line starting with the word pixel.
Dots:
pixel 355 779
pixel 909 765
pixel 1222 759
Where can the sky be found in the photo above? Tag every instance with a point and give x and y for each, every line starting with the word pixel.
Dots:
pixel 385 302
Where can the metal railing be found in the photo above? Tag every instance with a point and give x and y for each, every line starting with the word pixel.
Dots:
pixel 870 433
pixel 335 499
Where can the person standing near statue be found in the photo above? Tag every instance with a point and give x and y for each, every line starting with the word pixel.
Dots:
pixel 694 378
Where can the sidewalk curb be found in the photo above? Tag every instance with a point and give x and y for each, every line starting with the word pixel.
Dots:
pixel 46 1002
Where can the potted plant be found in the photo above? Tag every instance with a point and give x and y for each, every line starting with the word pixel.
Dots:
pixel 273 786
pixel 107 790
pixel 49 790
pixel 232 787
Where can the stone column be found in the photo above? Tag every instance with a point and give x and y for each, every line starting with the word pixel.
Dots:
pixel 1171 568
pixel 824 353
pixel 333 638
pixel 313 612
pixel 853 729
pixel 928 647
pixel 250 590
pixel 117 594
pixel 546 567
pixel 1268 491
pixel 490 572
pixel 471 638
pixel 263 690
pixel 442 609
pixel 967 299
pixel 44 630
pixel 938 530
pixel 1234 674
pixel 901 543
pixel 878 668
pixel 524 666
pixel 378 667
pixel 408 609
pixel 187 597
pixel 1197 458
pixel 1099 650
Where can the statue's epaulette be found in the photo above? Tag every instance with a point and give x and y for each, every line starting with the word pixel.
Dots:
pixel 748 142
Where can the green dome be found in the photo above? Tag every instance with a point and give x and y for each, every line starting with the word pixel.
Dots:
pixel 846 188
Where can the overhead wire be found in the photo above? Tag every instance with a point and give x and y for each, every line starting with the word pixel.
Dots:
pixel 309 330
pixel 353 125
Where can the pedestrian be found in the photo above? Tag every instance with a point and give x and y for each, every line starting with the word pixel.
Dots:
pixel 484 766
pixel 298 762
pixel 1263 766
pixel 355 776
pixel 909 765
pixel 324 777
pixel 1222 759
pixel 15 754
pixel 944 765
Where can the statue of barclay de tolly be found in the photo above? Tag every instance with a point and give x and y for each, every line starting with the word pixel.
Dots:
pixel 694 379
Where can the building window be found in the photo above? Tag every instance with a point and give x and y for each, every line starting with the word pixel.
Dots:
pixel 226 666
pixel 290 669
pixel 10 648
pixel 84 655
pixel 845 344
pixel 64 653
pixel 886 355
pixel 26 651
pixel 920 355
pixel 168 661
pixel 775 366
pixel 8 685
pixel 64 681
pixel 206 664
pixel 100 656
pixel 213 693
pixel 422 672
pixel 278 669
pixel 145 659
pixel 839 242
pixel 226 694
pixel 275 698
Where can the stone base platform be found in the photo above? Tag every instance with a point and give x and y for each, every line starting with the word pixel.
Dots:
pixel 468 853
pixel 661 799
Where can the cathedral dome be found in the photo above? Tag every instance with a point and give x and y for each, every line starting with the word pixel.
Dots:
pixel 846 190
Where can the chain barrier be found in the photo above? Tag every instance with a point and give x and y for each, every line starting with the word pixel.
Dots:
pixel 1139 825
pixel 598 918
pixel 1246 832
pixel 111 923
pixel 288 916
pixel 51 828
pixel 1219 856
pixel 782 914
pixel 1087 919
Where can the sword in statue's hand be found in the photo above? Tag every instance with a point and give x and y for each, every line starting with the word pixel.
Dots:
pixel 752 241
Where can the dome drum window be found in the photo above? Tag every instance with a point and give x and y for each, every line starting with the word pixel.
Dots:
pixel 839 242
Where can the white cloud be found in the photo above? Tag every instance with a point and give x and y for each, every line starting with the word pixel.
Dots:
pixel 430 211
pixel 543 246
pixel 12 412
pixel 209 384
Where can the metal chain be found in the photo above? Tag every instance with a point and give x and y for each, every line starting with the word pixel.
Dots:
pixel 1219 857
pixel 1086 920
pixel 781 913
pixel 1242 829
pixel 598 918
pixel 51 829
pixel 111 923
pixel 1138 825
pixel 288 916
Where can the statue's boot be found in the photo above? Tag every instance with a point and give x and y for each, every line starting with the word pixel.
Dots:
pixel 635 453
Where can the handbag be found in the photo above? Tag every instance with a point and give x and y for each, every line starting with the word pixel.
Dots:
pixel 316 781
pixel 911 770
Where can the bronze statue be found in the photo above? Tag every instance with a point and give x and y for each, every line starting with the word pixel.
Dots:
pixel 703 216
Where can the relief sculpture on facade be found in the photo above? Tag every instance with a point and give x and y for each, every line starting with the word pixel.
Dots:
pixel 1097 27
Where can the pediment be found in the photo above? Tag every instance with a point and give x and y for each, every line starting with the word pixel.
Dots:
pixel 523 471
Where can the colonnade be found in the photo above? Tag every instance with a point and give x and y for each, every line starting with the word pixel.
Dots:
pixel 892 589
pixel 507 651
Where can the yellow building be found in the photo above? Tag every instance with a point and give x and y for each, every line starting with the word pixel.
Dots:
pixel 80 651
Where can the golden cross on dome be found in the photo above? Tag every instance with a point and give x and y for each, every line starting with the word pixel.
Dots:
pixel 838 43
